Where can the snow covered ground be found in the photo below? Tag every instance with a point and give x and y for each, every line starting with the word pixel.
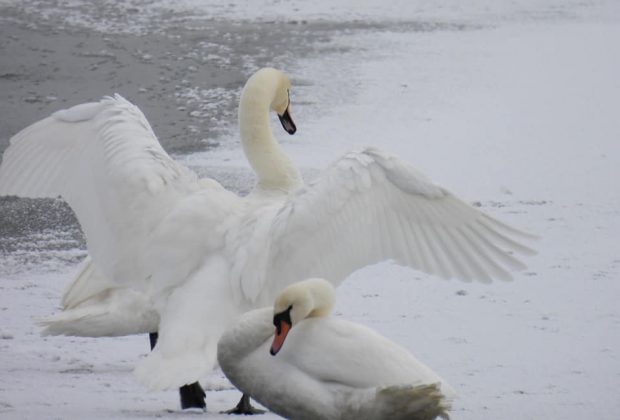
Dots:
pixel 512 105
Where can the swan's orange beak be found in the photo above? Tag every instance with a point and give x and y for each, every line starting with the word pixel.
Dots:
pixel 282 329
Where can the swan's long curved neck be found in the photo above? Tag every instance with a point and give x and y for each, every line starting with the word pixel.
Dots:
pixel 273 167
pixel 322 296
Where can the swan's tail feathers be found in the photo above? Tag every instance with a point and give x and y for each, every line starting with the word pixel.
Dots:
pixel 91 321
pixel 89 284
pixel 412 402
pixel 113 313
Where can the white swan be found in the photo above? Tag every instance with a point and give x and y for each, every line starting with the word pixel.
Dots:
pixel 328 368
pixel 201 255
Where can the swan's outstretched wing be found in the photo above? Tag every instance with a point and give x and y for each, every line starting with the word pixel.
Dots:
pixel 370 206
pixel 105 161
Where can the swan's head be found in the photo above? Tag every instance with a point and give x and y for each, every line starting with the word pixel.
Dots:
pixel 306 299
pixel 276 86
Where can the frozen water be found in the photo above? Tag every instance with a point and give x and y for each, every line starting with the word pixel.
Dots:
pixel 511 104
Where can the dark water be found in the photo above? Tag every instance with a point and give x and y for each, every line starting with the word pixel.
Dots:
pixel 185 78
pixel 184 71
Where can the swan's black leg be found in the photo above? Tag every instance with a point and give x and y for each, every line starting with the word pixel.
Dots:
pixel 192 395
pixel 153 339
pixel 244 407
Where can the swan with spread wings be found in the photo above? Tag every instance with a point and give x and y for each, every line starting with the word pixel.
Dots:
pixel 196 255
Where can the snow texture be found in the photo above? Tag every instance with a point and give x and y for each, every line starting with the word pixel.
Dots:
pixel 519 113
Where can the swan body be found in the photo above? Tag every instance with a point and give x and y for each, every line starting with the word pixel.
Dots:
pixel 195 254
pixel 328 368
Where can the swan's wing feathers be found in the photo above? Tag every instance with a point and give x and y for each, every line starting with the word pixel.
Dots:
pixel 111 135
pixel 370 206
pixel 105 161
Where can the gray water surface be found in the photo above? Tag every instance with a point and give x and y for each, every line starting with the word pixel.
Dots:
pixel 183 70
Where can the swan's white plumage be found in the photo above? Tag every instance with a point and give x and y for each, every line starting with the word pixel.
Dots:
pixel 105 161
pixel 153 227
pixel 114 312
pixel 88 283
pixel 382 208
pixel 327 368
pixel 94 306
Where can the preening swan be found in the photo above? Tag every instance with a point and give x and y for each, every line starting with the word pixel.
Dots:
pixel 200 255
pixel 327 368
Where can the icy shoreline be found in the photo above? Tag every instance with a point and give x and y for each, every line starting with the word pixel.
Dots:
pixel 521 117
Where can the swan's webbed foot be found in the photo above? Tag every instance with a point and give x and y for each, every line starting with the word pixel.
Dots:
pixel 192 396
pixel 244 407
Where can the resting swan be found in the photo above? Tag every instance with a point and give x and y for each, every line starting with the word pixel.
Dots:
pixel 328 368
pixel 202 255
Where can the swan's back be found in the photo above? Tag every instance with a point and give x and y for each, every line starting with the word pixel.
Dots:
pixel 333 350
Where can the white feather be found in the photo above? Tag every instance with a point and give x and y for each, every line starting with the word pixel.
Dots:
pixel 197 251
pixel 398 213
pixel 328 368
pixel 94 306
